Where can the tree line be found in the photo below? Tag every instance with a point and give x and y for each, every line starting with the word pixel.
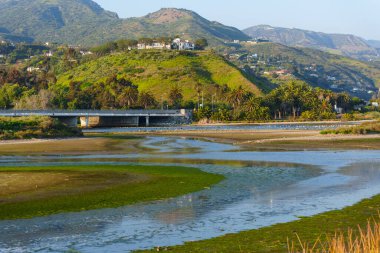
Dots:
pixel 295 99
pixel 127 44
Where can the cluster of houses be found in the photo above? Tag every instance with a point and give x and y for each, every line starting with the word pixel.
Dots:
pixel 280 72
pixel 176 44
pixel 252 42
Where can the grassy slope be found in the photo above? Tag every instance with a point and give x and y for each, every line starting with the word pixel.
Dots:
pixel 162 183
pixel 274 239
pixel 158 71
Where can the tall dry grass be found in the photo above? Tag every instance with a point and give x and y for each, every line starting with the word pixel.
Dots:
pixel 359 241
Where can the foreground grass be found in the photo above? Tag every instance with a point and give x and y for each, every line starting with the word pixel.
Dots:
pixel 274 239
pixel 94 187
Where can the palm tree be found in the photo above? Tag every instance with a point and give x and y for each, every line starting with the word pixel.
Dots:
pixel 175 96
pixel 129 96
pixel 252 104
pixel 236 97
pixel 146 99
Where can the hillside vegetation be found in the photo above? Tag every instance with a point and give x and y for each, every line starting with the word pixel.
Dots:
pixel 159 71
pixel 53 20
pixel 318 68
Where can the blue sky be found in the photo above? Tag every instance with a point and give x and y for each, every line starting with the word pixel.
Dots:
pixel 359 17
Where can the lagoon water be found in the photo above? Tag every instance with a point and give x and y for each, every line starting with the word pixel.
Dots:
pixel 221 127
pixel 261 188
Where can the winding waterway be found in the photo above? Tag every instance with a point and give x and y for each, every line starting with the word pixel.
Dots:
pixel 261 188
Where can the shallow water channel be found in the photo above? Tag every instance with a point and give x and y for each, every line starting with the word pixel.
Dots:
pixel 261 188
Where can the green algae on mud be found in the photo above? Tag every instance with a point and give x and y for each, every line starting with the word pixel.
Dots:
pixel 274 239
pixel 79 188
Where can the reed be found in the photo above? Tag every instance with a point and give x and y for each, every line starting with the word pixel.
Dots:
pixel 361 240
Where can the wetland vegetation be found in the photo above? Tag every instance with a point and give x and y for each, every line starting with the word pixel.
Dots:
pixel 27 192
pixel 364 128
pixel 103 186
pixel 275 239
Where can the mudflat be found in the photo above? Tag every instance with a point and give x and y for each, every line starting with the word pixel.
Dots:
pixel 28 192
pixel 22 186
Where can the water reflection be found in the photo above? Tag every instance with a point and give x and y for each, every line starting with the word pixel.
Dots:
pixel 261 188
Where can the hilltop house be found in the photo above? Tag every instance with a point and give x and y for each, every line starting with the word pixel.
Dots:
pixel 177 44
pixel 48 54
pixel 180 44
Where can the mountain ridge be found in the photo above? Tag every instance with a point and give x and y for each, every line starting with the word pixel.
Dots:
pixel 345 44
pixel 84 22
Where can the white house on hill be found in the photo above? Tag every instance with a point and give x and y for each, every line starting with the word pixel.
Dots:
pixel 180 44
pixel 177 44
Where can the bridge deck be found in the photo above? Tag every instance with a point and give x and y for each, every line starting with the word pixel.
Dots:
pixel 93 113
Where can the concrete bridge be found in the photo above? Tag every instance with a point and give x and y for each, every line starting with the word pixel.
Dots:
pixel 109 118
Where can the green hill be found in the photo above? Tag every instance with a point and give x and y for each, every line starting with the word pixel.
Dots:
pixel 85 22
pixel 159 71
pixel 318 68
pixel 53 20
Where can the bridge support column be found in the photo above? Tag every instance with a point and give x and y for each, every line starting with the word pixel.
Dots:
pixel 147 121
pixel 87 121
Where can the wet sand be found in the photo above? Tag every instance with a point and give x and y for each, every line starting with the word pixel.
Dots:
pixel 283 139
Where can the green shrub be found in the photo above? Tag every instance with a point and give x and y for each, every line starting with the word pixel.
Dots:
pixel 348 117
pixel 365 128
pixel 309 115
pixel 35 127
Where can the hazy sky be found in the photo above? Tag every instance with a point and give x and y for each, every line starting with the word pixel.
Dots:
pixel 359 17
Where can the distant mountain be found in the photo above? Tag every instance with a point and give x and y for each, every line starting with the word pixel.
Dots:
pixel 348 45
pixel 85 22
pixel 374 43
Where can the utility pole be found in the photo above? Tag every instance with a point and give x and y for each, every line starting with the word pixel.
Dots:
pixel 203 100
pixel 162 101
